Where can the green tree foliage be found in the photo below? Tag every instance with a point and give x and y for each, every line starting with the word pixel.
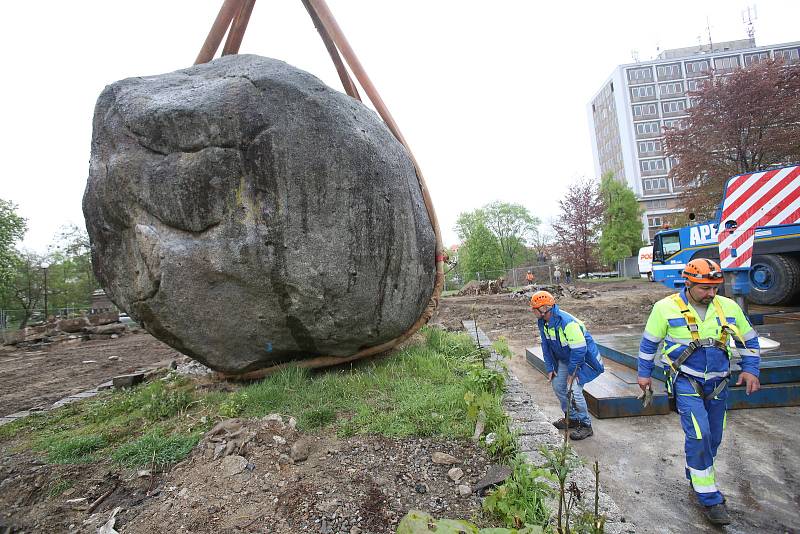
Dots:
pixel 26 289
pixel 70 277
pixel 494 237
pixel 480 250
pixel 513 226
pixel 12 228
pixel 622 225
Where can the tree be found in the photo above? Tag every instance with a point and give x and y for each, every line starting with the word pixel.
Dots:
pixel 509 226
pixel 71 279
pixel 513 226
pixel 12 228
pixel 27 285
pixel 622 223
pixel 744 122
pixel 480 250
pixel 578 225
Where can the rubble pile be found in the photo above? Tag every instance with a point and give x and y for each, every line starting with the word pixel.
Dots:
pixel 96 326
pixel 484 287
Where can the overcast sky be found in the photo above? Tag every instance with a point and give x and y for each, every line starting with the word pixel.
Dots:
pixel 491 96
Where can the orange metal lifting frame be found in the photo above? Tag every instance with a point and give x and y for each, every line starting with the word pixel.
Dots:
pixel 232 19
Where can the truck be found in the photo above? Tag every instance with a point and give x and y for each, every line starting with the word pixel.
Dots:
pixel 755 236
pixel 645 262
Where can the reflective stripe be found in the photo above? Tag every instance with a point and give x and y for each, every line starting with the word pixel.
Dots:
pixel 725 420
pixel 645 356
pixel 650 337
pixel 577 344
pixel 701 374
pixel 698 488
pixel 703 480
pixel 697 433
pixel 750 335
pixel 679 341
pixel 749 352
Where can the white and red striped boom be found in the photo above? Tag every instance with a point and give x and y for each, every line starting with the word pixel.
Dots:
pixel 753 201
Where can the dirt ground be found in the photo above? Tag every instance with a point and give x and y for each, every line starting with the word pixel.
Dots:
pixel 37 377
pixel 364 485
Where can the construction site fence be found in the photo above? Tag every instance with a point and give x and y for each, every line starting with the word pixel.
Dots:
pixel 629 267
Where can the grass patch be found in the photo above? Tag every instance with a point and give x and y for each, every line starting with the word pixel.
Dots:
pixel 73 450
pixel 501 347
pixel 435 388
pixel 155 448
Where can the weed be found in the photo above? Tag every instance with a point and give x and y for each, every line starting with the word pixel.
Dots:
pixel 73 450
pixel 505 446
pixel 501 347
pixel 157 448
pixel 521 500
pixel 165 401
pixel 234 405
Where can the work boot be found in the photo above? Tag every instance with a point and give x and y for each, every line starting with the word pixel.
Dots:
pixel 717 514
pixel 583 432
pixel 561 424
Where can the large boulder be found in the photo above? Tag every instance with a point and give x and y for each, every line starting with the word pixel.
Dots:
pixel 248 215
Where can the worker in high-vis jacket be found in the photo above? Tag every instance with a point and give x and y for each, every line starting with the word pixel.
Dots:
pixel 696 326
pixel 571 359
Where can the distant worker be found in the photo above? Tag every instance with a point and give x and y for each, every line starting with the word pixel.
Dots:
pixel 557 275
pixel 568 275
pixel 696 325
pixel 529 277
pixel 571 359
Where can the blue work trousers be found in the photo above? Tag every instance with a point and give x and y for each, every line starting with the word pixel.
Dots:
pixel 579 412
pixel 703 421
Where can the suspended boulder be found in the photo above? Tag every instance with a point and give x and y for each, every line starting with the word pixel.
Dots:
pixel 248 215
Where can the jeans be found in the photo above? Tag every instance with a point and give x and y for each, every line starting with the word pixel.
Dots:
pixel 581 414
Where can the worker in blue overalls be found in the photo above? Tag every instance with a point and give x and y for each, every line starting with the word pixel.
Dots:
pixel 695 326
pixel 571 359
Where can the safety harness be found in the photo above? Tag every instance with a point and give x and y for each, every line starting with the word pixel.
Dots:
pixel 697 343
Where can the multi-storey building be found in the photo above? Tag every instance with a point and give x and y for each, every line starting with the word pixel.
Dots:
pixel 629 113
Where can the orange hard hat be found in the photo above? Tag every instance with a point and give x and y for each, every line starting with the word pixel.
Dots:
pixel 703 271
pixel 542 298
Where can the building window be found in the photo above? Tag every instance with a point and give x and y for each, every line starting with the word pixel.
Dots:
pixel 640 75
pixel 726 64
pixel 671 89
pixel 649 146
pixel 644 109
pixel 696 67
pixel 695 85
pixel 648 128
pixel 644 91
pixel 673 123
pixel 758 57
pixel 654 184
pixel 656 204
pixel 654 222
pixel 788 55
pixel 668 72
pixel 652 165
pixel 674 106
